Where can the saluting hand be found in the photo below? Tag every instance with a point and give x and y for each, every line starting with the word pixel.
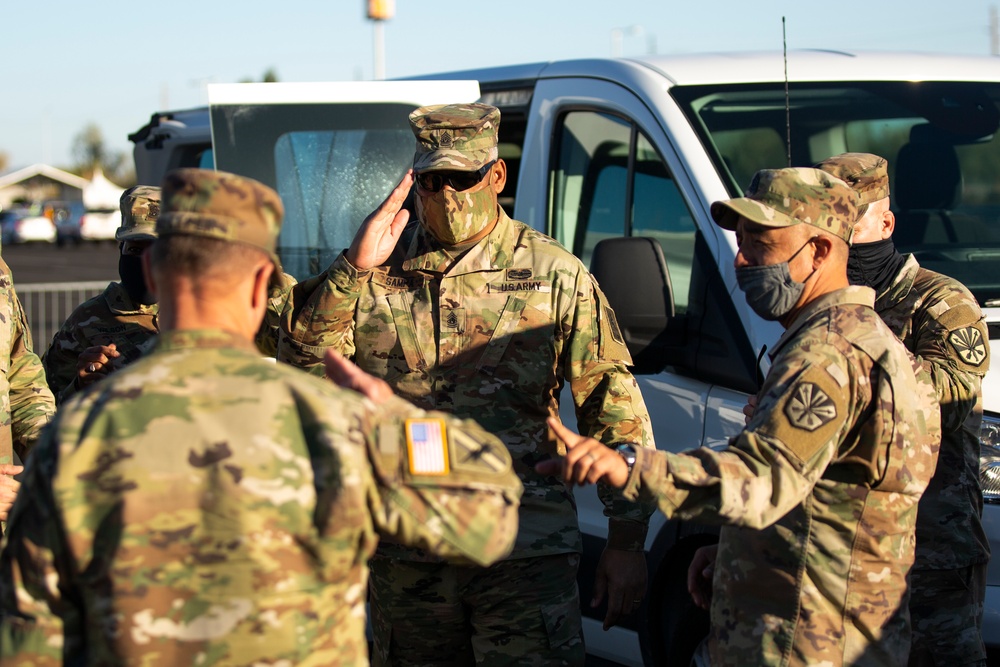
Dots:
pixel 587 461
pixel 380 231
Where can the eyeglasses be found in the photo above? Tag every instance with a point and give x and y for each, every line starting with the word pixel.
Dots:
pixel 433 181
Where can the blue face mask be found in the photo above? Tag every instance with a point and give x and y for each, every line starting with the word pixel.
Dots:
pixel 770 290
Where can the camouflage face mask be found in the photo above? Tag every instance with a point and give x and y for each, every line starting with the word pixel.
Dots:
pixel 452 217
pixel 770 290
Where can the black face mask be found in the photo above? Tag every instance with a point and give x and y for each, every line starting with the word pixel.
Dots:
pixel 130 270
pixel 874 265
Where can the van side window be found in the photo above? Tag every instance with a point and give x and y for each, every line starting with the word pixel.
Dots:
pixel 607 180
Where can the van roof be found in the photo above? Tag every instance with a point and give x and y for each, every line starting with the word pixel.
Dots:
pixel 755 67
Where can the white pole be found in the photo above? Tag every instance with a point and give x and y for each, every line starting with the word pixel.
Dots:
pixel 379 46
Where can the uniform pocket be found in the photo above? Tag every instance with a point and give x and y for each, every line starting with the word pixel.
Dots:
pixel 562 622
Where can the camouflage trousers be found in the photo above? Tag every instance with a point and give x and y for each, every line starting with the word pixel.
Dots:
pixel 946 614
pixel 523 612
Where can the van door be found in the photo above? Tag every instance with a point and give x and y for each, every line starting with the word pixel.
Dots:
pixel 611 172
pixel 333 151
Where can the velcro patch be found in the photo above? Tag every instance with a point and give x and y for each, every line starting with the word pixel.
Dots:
pixel 809 407
pixel 969 345
pixel 427 446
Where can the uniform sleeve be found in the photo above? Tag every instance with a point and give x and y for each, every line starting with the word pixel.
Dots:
pixel 278 295
pixel 31 402
pixel 951 342
pixel 442 484
pixel 772 465
pixel 39 619
pixel 609 405
pixel 60 360
pixel 318 315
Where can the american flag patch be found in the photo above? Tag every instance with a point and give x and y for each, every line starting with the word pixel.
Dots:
pixel 427 445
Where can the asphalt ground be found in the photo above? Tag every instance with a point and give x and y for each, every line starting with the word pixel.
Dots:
pixel 48 263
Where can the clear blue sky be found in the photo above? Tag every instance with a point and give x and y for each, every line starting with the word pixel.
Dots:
pixel 66 63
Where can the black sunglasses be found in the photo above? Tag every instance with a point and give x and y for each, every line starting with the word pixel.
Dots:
pixel 433 181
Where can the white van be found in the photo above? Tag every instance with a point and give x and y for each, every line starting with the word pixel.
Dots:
pixel 638 149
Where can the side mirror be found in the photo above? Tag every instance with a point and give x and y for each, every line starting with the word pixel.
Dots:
pixel 632 273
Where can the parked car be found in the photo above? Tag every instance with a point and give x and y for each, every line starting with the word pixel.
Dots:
pixel 609 149
pixel 100 224
pixel 26 225
pixel 67 217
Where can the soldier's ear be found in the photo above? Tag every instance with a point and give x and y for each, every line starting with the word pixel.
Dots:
pixel 888 224
pixel 822 249
pixel 498 176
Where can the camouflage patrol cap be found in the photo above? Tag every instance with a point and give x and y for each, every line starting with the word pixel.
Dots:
pixel 140 206
pixel 219 205
pixel 460 137
pixel 868 174
pixel 786 197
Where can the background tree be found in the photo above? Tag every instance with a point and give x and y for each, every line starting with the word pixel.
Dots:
pixel 90 151
pixel 270 76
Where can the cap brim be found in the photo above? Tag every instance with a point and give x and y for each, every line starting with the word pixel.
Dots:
pixel 138 236
pixel 452 160
pixel 727 213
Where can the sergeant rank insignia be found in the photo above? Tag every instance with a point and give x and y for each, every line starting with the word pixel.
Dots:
pixel 969 345
pixel 427 446
pixel 809 407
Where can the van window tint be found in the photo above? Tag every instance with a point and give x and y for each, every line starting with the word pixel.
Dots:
pixel 607 181
pixel 941 141
pixel 332 164
pixel 329 181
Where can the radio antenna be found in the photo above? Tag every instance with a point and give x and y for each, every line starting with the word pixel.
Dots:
pixel 788 112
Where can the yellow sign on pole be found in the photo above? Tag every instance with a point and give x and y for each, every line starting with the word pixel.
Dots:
pixel 381 10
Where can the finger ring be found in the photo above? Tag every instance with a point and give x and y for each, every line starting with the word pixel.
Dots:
pixel 591 456
pixel 91 368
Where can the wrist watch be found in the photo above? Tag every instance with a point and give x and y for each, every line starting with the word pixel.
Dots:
pixel 627 451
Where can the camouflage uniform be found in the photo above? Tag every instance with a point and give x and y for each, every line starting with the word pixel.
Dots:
pixel 106 319
pixel 111 318
pixel 940 322
pixel 818 495
pixel 205 507
pixel 26 404
pixel 490 333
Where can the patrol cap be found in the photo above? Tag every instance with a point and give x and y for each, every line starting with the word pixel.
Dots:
pixel 140 206
pixel 866 173
pixel 791 196
pixel 219 205
pixel 459 137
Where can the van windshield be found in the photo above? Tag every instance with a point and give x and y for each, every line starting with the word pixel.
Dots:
pixel 940 139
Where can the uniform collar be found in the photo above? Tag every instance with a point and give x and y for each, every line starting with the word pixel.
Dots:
pixel 492 253
pixel 852 295
pixel 202 339
pixel 901 285
pixel 120 303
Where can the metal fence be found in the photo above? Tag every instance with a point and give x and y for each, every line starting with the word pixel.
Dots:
pixel 47 305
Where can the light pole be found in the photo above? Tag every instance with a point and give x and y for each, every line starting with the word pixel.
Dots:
pixel 618 37
pixel 379 11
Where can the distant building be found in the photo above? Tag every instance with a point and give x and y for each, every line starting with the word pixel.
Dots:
pixel 39 183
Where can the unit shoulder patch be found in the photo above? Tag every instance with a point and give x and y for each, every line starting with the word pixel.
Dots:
pixel 809 407
pixel 969 345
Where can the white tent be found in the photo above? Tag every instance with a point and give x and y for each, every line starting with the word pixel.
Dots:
pixel 101 193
